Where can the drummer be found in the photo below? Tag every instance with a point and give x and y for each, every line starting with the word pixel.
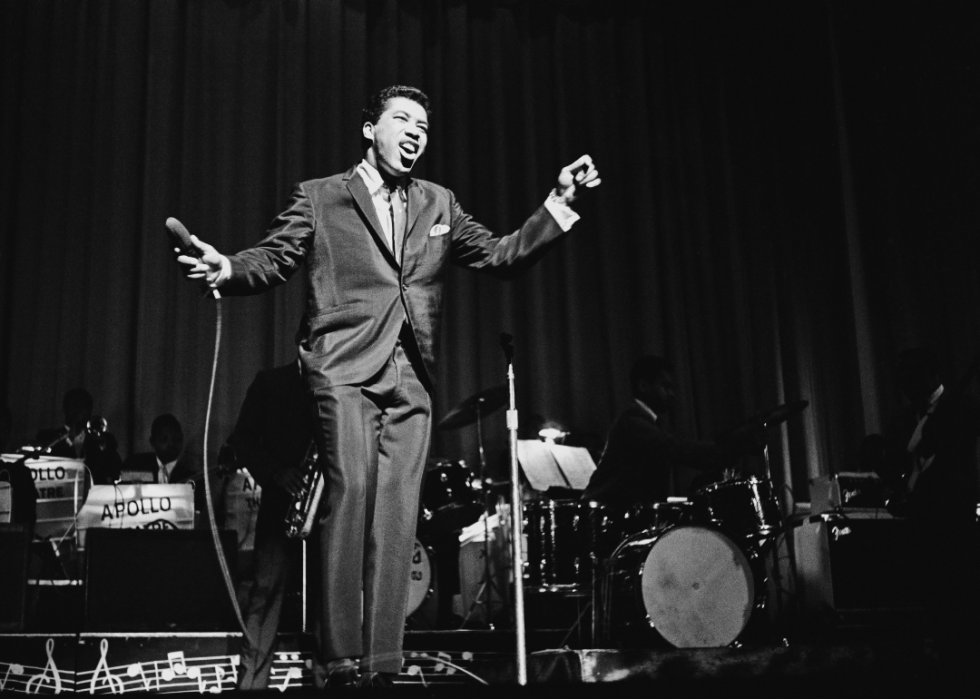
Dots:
pixel 640 453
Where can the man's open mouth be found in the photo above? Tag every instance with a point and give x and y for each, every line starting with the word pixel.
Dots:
pixel 409 150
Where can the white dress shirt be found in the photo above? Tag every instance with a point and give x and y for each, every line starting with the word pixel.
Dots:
pixel 164 470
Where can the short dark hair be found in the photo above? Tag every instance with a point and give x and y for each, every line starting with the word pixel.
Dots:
pixel 648 367
pixel 77 399
pixel 378 102
pixel 166 422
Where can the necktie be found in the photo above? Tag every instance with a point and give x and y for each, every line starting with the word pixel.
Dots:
pixel 397 202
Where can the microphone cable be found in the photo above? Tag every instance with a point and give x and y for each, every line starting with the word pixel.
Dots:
pixel 219 551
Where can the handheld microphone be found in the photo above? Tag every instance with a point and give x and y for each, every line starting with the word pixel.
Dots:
pixel 181 237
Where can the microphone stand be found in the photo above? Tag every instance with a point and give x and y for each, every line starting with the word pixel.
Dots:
pixel 516 514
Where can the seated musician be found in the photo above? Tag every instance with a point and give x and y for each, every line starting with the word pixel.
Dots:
pixel 640 453
pixel 80 439
pixel 930 465
pixel 168 462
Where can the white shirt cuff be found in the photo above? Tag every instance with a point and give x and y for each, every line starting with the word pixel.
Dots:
pixel 224 275
pixel 560 211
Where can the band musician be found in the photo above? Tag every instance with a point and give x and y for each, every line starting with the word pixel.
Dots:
pixel 930 465
pixel 376 243
pixel 271 438
pixel 640 454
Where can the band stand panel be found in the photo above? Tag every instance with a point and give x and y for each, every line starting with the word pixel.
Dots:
pixel 157 580
pixel 14 547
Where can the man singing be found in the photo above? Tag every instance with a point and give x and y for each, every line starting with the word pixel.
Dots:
pixel 376 243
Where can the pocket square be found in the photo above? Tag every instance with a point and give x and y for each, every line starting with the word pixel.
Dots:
pixel 438 229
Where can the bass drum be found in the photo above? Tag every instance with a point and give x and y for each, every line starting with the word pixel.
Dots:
pixel 688 585
pixel 419 578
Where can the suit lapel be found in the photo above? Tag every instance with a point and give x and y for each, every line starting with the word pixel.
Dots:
pixel 416 195
pixel 362 198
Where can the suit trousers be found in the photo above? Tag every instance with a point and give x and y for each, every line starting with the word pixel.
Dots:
pixel 372 440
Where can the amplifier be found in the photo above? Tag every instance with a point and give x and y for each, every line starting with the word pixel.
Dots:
pixel 157 580
pixel 848 490
pixel 854 567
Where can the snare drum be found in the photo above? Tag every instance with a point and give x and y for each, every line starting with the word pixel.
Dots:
pixel 745 507
pixel 688 585
pixel 557 545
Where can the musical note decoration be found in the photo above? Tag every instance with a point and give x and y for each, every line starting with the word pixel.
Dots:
pixel 287 671
pixel 45 679
pixel 178 673
pixel 14 668
pixel 441 664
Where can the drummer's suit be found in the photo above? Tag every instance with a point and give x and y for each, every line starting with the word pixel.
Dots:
pixel 636 463
pixel 369 361
pixel 273 433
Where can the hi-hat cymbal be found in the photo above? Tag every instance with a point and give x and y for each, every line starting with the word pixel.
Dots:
pixel 781 413
pixel 484 403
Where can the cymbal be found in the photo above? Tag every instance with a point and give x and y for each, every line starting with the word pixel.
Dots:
pixel 484 402
pixel 781 413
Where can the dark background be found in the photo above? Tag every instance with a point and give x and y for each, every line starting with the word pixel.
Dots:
pixel 789 197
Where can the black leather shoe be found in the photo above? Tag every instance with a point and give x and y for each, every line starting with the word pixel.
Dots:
pixel 342 673
pixel 376 680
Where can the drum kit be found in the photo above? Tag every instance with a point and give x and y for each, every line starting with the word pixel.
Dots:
pixel 685 573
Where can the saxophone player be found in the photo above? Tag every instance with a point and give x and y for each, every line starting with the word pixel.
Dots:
pixel 270 439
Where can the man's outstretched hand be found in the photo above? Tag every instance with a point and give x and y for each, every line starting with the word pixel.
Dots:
pixel 576 178
pixel 201 262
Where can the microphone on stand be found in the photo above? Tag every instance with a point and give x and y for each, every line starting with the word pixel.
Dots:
pixel 63 436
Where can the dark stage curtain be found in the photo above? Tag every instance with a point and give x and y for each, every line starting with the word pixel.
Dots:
pixel 789 196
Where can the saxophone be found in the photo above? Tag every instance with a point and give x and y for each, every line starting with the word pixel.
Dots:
pixel 303 508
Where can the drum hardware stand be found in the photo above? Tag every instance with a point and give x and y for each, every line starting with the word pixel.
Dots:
pixel 516 513
pixel 488 583
pixel 303 621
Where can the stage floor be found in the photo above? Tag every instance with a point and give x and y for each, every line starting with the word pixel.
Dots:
pixel 475 662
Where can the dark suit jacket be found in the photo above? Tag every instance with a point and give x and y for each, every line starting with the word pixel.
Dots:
pixel 635 466
pixel 359 297
pixel 185 470
pixel 274 427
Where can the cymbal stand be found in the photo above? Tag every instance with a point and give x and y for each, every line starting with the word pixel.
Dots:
pixel 516 513
pixel 770 544
pixel 488 582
